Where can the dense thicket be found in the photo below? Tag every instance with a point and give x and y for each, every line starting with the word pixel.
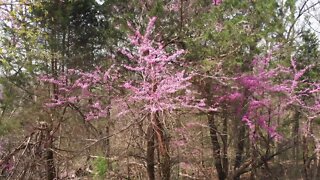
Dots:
pixel 159 89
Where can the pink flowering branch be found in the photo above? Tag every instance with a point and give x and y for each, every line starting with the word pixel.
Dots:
pixel 88 90
pixel 258 92
pixel 161 87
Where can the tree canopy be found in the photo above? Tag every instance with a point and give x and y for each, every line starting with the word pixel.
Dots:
pixel 159 89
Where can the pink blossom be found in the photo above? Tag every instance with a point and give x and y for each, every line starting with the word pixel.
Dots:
pixel 216 2
pixel 235 96
pixel 93 85
pixel 161 87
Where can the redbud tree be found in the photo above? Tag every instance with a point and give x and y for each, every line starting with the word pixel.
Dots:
pixel 155 84
pixel 161 87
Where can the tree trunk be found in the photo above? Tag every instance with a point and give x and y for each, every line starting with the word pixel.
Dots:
pixel 305 153
pixel 51 171
pixel 224 137
pixel 215 146
pixel 150 152
pixel 107 143
pixel 107 148
pixel 163 148
pixel 239 149
pixel 295 136
pixel 254 157
pixel 50 167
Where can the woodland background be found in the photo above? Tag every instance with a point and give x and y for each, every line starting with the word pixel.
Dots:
pixel 206 90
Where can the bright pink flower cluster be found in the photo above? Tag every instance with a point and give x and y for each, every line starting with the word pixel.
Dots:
pixel 160 86
pixel 216 2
